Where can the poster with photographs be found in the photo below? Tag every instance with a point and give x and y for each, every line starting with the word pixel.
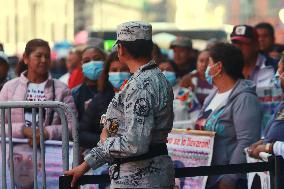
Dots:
pixel 191 149
pixel 24 168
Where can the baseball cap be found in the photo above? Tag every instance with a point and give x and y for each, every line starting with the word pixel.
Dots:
pixel 181 42
pixel 133 30
pixel 4 57
pixel 243 33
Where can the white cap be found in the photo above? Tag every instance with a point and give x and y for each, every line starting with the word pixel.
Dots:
pixel 131 31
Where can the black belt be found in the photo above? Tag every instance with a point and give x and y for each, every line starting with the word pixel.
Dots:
pixel 154 151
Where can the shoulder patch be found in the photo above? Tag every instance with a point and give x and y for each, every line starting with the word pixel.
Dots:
pixel 142 107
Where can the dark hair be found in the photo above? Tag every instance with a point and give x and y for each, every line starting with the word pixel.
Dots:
pixel 33 44
pixel 103 80
pixel 102 52
pixel 139 48
pixel 278 48
pixel 1 47
pixel 20 68
pixel 76 52
pixel 267 26
pixel 204 50
pixel 231 58
pixel 157 51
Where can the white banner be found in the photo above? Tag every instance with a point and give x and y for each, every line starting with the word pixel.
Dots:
pixel 191 149
pixel 259 180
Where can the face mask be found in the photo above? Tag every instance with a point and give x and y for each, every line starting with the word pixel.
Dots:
pixel 93 69
pixel 117 78
pixel 209 77
pixel 171 54
pixel 171 77
pixel 277 80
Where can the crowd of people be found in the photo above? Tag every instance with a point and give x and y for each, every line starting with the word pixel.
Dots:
pixel 140 92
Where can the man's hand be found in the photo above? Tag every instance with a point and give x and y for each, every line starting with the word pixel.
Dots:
pixel 104 135
pixel 252 149
pixel 77 172
pixel 28 133
pixel 254 145
pixel 255 152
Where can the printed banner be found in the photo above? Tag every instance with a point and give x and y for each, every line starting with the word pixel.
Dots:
pixel 187 149
pixel 259 180
pixel 23 164
pixel 191 149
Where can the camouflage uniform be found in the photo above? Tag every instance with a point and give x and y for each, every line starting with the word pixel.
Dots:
pixel 140 115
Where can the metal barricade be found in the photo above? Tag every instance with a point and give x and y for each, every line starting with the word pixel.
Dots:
pixel 275 166
pixel 63 111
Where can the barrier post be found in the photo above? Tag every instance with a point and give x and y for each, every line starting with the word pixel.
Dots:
pixel 64 182
pixel 271 160
pixel 3 148
pixel 278 172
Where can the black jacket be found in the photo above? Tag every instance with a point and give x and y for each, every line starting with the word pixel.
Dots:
pixel 271 62
pixel 81 94
pixel 89 126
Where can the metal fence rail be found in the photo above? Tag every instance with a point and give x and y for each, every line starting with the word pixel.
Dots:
pixel 63 111
pixel 275 166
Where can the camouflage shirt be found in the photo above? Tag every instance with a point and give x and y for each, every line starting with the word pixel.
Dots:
pixel 140 115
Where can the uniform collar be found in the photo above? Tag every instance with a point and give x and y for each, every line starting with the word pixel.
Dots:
pixel 150 65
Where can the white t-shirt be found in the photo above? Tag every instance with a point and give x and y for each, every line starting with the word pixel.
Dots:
pixel 218 99
pixel 65 78
pixel 35 92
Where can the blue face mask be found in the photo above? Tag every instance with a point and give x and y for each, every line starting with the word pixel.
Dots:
pixel 209 77
pixel 117 78
pixel 93 69
pixel 277 80
pixel 171 54
pixel 171 77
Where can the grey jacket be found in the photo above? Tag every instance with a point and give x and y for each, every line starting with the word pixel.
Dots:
pixel 237 123
pixel 140 115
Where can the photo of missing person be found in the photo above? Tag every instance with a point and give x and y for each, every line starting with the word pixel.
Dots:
pixel 23 166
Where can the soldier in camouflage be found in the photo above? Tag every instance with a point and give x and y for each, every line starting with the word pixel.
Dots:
pixel 138 119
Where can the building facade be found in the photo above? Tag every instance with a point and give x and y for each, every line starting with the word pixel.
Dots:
pixel 22 20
